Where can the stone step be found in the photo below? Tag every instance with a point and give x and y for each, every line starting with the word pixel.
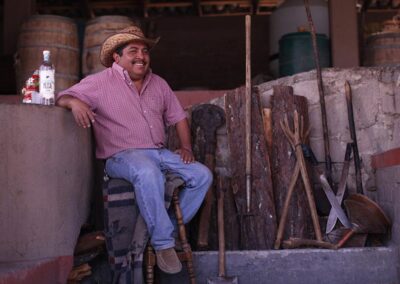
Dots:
pixel 377 265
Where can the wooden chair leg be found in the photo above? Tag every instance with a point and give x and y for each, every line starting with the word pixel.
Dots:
pixel 150 261
pixel 182 236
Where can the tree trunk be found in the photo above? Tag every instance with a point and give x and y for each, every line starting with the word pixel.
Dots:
pixel 298 223
pixel 258 228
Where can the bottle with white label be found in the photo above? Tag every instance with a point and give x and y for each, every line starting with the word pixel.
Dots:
pixel 46 79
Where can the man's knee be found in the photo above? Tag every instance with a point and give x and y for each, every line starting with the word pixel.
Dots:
pixel 203 175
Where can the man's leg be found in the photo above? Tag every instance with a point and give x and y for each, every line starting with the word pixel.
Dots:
pixel 141 167
pixel 197 178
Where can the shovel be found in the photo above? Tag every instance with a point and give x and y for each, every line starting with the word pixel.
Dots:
pixel 221 278
pixel 366 217
pixel 207 118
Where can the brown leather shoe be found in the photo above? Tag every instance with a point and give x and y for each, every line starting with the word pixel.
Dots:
pixel 168 261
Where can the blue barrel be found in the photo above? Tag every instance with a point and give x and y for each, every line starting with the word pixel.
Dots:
pixel 296 53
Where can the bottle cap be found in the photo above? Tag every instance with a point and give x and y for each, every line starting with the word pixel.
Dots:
pixel 46 55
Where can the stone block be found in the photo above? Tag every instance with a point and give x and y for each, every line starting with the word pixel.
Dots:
pixel 365 104
pixel 397 98
pixel 396 132
pixel 317 145
pixel 387 95
pixel 373 139
pixel 336 112
pixel 314 116
pixel 338 150
pixel 308 89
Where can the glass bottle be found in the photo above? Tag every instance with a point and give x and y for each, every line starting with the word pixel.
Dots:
pixel 46 79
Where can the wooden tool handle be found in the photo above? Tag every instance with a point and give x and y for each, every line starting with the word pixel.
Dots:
pixel 205 214
pixel 306 179
pixel 296 243
pixel 221 230
pixel 328 162
pixel 282 221
pixel 248 112
pixel 345 238
pixel 352 128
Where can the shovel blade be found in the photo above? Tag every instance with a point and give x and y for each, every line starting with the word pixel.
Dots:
pixel 223 280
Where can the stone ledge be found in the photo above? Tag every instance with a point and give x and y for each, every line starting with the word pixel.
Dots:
pixel 377 265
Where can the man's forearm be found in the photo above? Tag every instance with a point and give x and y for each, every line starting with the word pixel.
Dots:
pixel 182 128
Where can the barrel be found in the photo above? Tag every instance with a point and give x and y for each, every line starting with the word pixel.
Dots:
pixel 55 33
pixel 382 49
pixel 96 31
pixel 296 53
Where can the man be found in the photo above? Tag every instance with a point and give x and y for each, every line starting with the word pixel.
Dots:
pixel 128 107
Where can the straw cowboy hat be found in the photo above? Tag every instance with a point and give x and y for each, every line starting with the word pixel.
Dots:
pixel 132 33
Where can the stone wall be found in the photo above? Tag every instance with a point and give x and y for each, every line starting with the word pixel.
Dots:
pixel 376 104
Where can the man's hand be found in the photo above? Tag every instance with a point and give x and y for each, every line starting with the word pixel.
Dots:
pixel 182 128
pixel 82 113
pixel 186 155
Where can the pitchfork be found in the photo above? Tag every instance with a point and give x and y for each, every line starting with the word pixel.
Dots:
pixel 296 138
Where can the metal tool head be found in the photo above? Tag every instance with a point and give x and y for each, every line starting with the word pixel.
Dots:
pixel 208 116
pixel 366 215
pixel 334 202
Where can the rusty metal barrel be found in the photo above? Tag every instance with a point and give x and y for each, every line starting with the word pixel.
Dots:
pixel 55 33
pixel 96 31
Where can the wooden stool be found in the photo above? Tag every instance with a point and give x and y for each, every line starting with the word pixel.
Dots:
pixel 150 259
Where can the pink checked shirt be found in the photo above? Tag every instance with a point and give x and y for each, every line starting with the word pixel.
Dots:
pixel 125 119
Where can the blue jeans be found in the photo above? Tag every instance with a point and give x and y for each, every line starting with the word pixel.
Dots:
pixel 145 169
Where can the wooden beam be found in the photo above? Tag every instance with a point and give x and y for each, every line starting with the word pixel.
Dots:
pixel 14 14
pixel 86 9
pixel 344 33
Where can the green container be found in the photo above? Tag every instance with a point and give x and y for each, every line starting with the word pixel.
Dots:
pixel 296 53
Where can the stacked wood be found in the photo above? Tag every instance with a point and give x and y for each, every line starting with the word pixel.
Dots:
pixel 88 247
pixel 79 272
pixel 89 242
pixel 267 121
pixel 258 228
pixel 299 223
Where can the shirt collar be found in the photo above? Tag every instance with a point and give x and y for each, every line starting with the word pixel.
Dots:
pixel 124 74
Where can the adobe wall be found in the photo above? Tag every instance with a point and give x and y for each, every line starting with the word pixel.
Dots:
pixel 46 176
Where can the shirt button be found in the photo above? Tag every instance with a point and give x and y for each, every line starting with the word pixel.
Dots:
pixel 151 126
pixel 145 111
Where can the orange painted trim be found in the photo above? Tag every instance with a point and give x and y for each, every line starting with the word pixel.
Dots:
pixel 43 271
pixel 190 98
pixel 386 159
